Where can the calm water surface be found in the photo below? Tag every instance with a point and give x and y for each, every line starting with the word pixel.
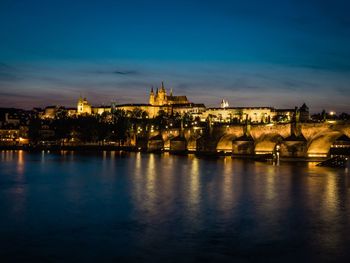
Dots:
pixel 112 207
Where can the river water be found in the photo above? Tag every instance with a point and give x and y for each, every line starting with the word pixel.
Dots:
pixel 133 207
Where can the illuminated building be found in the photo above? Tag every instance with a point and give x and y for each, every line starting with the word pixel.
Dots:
pixel 100 110
pixel 71 112
pixel 83 107
pixel 239 114
pixel 160 98
pixel 160 101
pixel 50 112
pixel 224 104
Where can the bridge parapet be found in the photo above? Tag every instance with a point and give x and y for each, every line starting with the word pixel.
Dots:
pixel 261 130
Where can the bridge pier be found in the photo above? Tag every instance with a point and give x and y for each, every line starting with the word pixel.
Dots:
pixel 178 144
pixel 293 149
pixel 155 143
pixel 243 145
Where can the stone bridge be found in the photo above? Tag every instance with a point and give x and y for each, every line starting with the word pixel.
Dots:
pixel 290 140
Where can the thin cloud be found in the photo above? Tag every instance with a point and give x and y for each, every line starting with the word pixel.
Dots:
pixel 16 95
pixel 116 72
pixel 8 72
pixel 126 72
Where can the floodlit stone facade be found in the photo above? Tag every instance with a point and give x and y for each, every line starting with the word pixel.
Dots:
pixel 161 98
pixel 83 107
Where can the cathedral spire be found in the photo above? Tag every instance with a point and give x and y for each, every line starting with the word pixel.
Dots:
pixel 151 97
pixel 162 88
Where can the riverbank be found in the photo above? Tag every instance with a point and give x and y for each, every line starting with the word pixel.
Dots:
pixel 201 154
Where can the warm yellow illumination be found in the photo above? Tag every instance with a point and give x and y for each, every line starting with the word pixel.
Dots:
pixel 317 155
pixel 259 153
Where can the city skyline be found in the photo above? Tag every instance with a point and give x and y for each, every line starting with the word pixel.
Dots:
pixel 252 54
pixel 223 104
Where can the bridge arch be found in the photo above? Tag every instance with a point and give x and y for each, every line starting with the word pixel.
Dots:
pixel 320 145
pixel 267 143
pixel 225 143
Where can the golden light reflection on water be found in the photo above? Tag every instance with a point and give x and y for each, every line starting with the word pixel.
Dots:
pixel 7 155
pixel 333 210
pixel 156 184
pixel 193 199
pixel 137 179
pixel 150 186
pixel 323 199
pixel 158 181
pixel 271 184
pixel 330 199
pixel 14 156
pixel 20 162
pixel 108 163
pixel 43 157
pixel 269 199
pixel 144 187
pixel 166 177
pixel 227 188
pixel 138 162
pixel 323 189
pixel 264 181
pixel 312 164
pixel 19 189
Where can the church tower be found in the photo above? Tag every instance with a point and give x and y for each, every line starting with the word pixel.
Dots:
pixel 151 97
pixel 80 105
pixel 83 107
pixel 162 96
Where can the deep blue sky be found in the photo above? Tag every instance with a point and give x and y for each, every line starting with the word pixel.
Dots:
pixel 253 53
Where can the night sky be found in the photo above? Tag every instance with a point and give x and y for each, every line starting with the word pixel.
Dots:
pixel 252 53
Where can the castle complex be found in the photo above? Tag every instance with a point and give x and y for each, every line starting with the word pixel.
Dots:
pixel 160 102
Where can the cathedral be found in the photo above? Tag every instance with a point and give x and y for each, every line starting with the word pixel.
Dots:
pixel 160 98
